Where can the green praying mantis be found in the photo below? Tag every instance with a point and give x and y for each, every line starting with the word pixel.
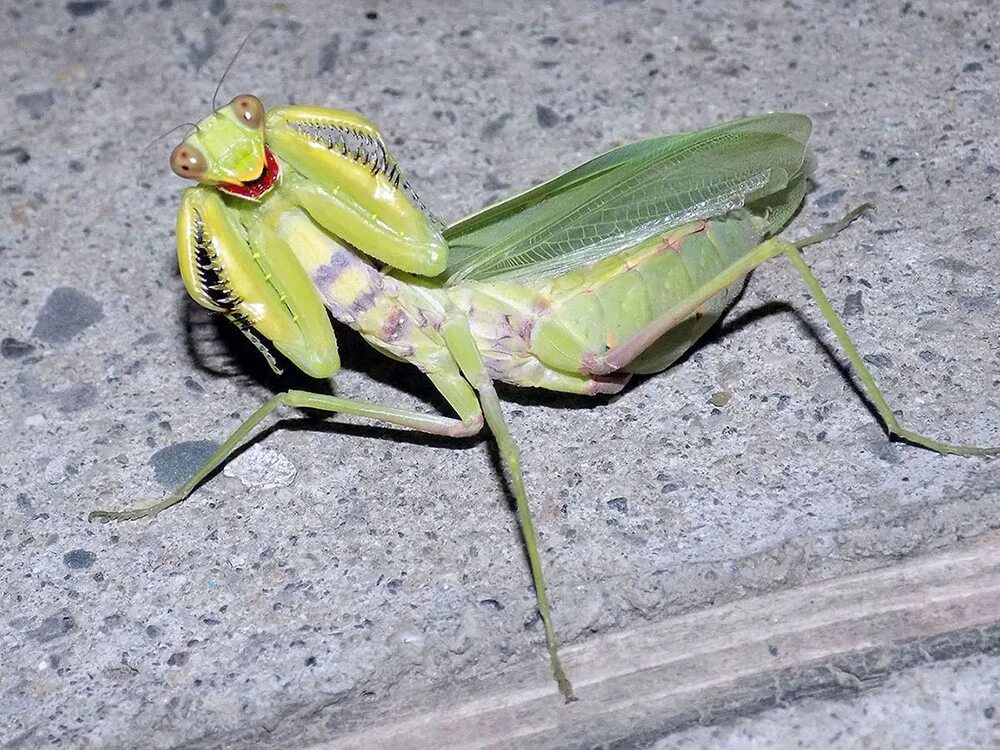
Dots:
pixel 611 269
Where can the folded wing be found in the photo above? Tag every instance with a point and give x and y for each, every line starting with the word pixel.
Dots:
pixel 627 195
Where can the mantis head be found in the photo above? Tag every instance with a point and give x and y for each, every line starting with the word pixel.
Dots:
pixel 227 150
pixel 234 265
pixel 291 167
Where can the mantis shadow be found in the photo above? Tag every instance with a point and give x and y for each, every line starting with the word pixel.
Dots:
pixel 724 328
pixel 358 356
pixel 239 358
pixel 218 349
pixel 715 335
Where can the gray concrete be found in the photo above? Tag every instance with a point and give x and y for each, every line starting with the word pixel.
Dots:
pixel 950 706
pixel 330 567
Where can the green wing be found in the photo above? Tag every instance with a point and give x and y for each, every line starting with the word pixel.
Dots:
pixel 627 195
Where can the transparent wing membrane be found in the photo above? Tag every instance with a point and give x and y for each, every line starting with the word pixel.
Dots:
pixel 626 196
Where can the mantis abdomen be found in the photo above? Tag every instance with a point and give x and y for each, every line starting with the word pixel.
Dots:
pixel 542 333
pixel 566 322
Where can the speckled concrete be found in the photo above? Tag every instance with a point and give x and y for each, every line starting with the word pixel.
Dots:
pixel 331 567
pixel 949 705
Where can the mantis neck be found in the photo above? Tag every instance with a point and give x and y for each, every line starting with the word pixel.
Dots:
pixel 350 285
pixel 398 318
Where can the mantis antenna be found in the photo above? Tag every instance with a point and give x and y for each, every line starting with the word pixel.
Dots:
pixel 218 86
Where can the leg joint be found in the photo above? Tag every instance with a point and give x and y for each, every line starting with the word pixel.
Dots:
pixel 469 426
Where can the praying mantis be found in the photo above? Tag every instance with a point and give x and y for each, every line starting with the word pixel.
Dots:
pixel 612 269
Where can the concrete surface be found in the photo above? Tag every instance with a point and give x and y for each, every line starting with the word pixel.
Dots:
pixel 951 706
pixel 332 567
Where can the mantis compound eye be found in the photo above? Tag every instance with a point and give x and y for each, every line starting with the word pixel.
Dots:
pixel 188 162
pixel 249 109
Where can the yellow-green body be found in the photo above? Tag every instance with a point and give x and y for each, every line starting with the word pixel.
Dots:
pixel 340 227
pixel 533 334
pixel 613 268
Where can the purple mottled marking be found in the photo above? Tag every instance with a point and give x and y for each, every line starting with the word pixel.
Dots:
pixel 497 368
pixel 504 329
pixel 395 325
pixel 364 302
pixel 328 273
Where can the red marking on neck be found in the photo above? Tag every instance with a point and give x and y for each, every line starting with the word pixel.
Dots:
pixel 255 189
